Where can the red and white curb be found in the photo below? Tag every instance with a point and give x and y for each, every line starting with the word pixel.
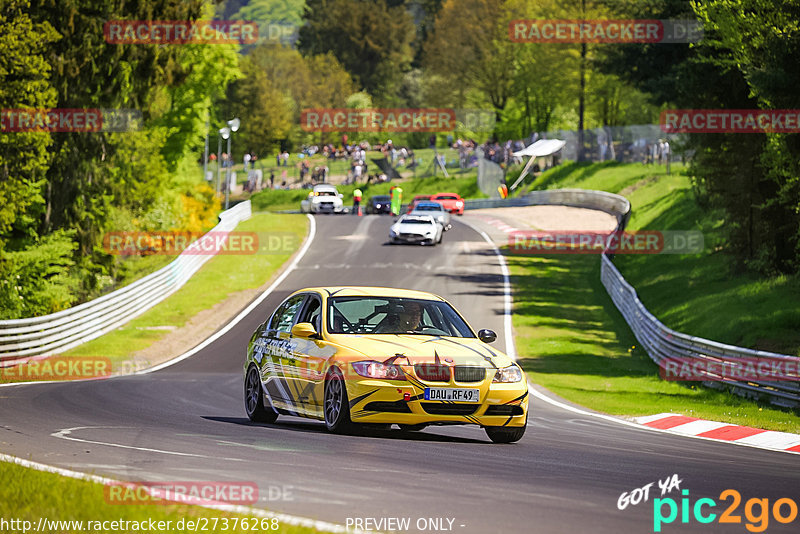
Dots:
pixel 701 428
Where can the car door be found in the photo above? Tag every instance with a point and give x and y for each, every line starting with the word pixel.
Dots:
pixel 310 358
pixel 275 344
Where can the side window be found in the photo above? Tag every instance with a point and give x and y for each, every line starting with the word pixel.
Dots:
pixel 282 320
pixel 311 313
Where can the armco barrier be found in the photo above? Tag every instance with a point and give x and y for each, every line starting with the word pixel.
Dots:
pixel 664 344
pixel 661 343
pixel 22 339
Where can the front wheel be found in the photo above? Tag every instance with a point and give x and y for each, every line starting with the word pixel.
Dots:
pixel 504 434
pixel 336 405
pixel 254 399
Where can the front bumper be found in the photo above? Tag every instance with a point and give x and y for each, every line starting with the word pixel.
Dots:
pixel 326 208
pixel 411 238
pixel 382 401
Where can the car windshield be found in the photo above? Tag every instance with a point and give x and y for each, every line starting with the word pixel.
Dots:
pixel 415 221
pixel 394 315
pixel 428 207
pixel 381 198
pixel 446 197
pixel 326 193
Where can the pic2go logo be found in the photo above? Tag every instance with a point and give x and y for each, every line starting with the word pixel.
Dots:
pixel 756 511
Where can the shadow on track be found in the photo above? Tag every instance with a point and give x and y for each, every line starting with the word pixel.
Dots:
pixel 366 432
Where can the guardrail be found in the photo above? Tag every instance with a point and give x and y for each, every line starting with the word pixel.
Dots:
pixel 22 339
pixel 664 345
pixel 661 343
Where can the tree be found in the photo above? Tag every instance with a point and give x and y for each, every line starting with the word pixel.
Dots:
pixel 746 60
pixel 762 38
pixel 208 71
pixel 265 112
pixel 370 38
pixel 33 270
pixel 24 83
pixel 470 48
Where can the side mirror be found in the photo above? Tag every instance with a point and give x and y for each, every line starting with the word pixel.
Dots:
pixel 304 330
pixel 484 334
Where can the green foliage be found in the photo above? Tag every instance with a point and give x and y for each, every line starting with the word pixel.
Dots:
pixel 371 38
pixel 24 74
pixel 289 83
pixel 747 60
pixel 278 20
pixel 265 112
pixel 209 70
pixel 36 279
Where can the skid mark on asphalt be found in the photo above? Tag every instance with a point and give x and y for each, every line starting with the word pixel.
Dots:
pixel 65 433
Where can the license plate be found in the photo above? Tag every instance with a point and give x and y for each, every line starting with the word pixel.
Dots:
pixel 452 394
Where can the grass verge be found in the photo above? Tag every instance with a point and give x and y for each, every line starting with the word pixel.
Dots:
pixel 573 341
pixel 37 495
pixel 220 277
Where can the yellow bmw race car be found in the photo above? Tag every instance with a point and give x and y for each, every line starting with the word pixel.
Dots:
pixel 381 356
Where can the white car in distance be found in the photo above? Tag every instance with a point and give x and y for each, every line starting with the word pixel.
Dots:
pixel 323 198
pixel 416 229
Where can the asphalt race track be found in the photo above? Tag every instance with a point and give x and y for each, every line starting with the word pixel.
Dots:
pixel 187 422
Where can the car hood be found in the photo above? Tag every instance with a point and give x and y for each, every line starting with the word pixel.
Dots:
pixel 413 228
pixel 424 349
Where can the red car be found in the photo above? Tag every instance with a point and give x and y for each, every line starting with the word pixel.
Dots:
pixel 452 202
pixel 416 200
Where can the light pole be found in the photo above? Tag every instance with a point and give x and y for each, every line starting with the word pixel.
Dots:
pixel 205 153
pixel 233 125
pixel 224 133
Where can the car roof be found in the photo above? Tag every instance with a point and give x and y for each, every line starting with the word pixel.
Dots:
pixel 381 196
pixel 441 194
pixel 324 187
pixel 371 291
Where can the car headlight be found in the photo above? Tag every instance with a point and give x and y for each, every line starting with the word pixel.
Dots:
pixel 512 373
pixel 373 369
pixel 392 232
pixel 459 203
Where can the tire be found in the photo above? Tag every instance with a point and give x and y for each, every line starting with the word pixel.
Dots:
pixel 336 406
pixel 412 428
pixel 504 434
pixel 254 399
